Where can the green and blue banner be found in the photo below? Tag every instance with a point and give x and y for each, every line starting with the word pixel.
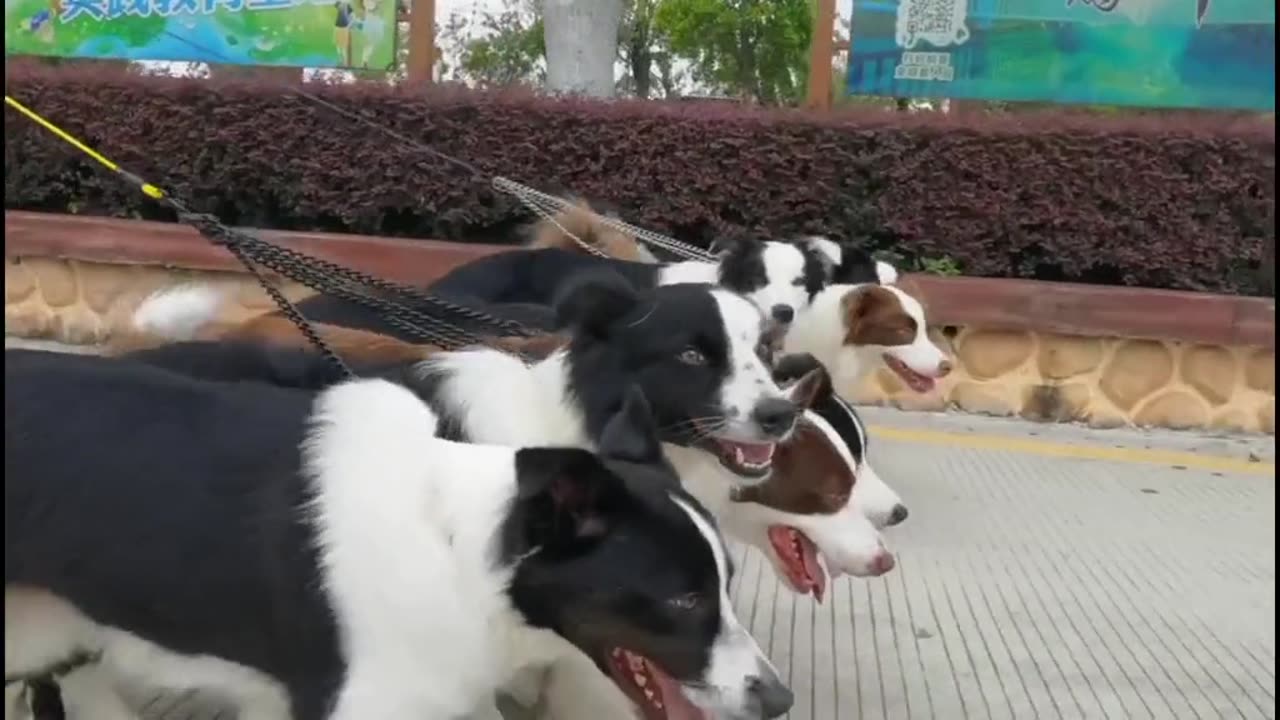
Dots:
pixel 304 33
pixel 1217 54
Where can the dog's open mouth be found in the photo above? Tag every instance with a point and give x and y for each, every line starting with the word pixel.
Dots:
pixel 753 460
pixel 658 696
pixel 799 558
pixel 914 380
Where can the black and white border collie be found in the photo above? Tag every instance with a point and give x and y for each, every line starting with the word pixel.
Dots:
pixel 700 354
pixel 847 264
pixel 323 556
pixel 489 396
pixel 823 499
pixel 779 277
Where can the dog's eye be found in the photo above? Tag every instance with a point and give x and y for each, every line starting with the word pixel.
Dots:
pixel 692 356
pixel 685 603
pixel 798 282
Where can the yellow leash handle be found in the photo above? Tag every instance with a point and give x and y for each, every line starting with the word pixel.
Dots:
pixel 150 190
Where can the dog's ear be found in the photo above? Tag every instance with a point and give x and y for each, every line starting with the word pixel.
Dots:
pixel 827 251
pixel 886 274
pixel 563 497
pixel 811 388
pixel 594 301
pixel 732 242
pixel 873 315
pixel 721 246
pixel 856 266
pixel 789 368
pixel 631 433
pixel 808 379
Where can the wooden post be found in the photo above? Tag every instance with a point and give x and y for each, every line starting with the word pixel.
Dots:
pixel 821 50
pixel 422 41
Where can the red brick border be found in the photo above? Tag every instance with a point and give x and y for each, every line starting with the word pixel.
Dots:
pixel 1011 304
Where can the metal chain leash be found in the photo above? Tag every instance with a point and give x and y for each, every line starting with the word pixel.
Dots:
pixel 332 279
pixel 396 306
pixel 545 204
pixel 291 311
pixel 546 213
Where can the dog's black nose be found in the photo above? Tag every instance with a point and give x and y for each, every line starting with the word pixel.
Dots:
pixel 898 515
pixel 775 698
pixel 783 313
pixel 775 415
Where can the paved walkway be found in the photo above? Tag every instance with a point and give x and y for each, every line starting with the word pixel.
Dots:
pixel 1092 575
pixel 1045 572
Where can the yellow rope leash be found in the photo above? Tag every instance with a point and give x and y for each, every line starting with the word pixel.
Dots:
pixel 147 188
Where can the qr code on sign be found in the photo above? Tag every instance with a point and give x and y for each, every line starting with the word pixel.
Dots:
pixel 938 22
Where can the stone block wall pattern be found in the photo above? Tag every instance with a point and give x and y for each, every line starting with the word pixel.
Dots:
pixel 1104 382
pixel 83 303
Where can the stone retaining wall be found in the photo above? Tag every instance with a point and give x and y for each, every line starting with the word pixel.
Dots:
pixel 1103 381
pixel 80 302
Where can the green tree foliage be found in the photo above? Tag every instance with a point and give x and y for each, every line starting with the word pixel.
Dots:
pixel 492 49
pixel 649 67
pixel 751 48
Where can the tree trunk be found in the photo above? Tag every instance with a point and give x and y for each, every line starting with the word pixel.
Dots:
pixel 640 47
pixel 666 75
pixel 641 67
pixel 582 44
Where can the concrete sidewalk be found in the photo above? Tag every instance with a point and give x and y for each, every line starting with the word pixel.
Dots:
pixel 1046 571
pixel 1037 580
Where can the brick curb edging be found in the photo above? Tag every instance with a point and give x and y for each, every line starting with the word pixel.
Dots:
pixel 1065 308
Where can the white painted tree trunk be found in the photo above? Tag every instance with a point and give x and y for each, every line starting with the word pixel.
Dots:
pixel 582 44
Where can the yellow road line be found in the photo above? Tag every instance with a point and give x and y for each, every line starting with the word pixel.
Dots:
pixel 1080 452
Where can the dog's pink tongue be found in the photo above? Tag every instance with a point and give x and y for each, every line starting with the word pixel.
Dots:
pixel 755 453
pixel 817 576
pixel 921 383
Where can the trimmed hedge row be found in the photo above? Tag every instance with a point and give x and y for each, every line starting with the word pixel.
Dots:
pixel 1177 201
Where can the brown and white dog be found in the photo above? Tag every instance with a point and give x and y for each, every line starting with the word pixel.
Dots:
pixel 855 329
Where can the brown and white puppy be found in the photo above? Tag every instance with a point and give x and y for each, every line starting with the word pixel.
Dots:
pixel 853 329
pixel 819 513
